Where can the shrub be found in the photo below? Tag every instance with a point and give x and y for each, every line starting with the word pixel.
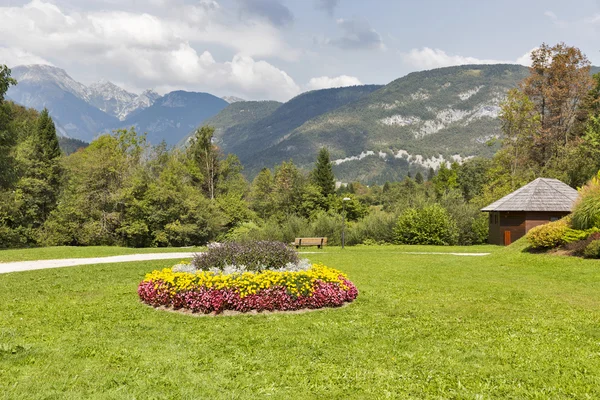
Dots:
pixel 376 227
pixel 429 225
pixel 575 235
pixel 548 236
pixel 255 256
pixel 329 225
pixel 586 213
pixel 592 250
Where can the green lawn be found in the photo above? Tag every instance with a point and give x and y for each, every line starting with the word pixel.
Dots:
pixel 55 253
pixel 508 325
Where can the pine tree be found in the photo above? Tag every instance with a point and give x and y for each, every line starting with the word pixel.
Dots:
pixel 431 174
pixel 419 178
pixel 322 175
pixel 39 162
pixel 46 139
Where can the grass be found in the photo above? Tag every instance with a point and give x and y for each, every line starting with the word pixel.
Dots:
pixel 56 253
pixel 508 325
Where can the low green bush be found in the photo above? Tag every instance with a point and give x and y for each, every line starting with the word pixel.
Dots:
pixel 575 235
pixel 548 236
pixel 592 250
pixel 429 225
pixel 377 227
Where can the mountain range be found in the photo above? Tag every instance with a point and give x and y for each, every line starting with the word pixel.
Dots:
pixel 83 112
pixel 374 133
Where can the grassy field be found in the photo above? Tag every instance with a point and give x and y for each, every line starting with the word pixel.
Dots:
pixel 56 253
pixel 508 325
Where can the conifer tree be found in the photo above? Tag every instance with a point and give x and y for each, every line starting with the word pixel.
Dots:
pixel 431 174
pixel 322 175
pixel 419 178
pixel 46 140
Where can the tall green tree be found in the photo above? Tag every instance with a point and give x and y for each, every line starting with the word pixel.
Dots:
pixel 262 193
pixel 5 81
pixel 206 156
pixel 322 176
pixel 7 135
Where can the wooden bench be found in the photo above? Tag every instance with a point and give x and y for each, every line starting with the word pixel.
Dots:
pixel 319 242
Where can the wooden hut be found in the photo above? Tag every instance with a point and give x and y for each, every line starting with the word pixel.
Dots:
pixel 539 202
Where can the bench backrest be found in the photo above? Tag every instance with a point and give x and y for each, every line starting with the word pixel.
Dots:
pixel 319 241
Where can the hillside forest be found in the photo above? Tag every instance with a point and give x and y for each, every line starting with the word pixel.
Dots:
pixel 121 190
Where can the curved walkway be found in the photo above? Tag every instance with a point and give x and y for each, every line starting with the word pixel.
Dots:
pixel 71 262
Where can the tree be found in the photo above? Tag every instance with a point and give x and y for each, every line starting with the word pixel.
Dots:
pixel 446 179
pixel 5 81
pixel 46 139
pixel 419 177
pixel 520 125
pixel 430 174
pixel 261 195
pixel 7 135
pixel 206 156
pixel 322 176
pixel 558 84
pixel 288 187
pixel 472 177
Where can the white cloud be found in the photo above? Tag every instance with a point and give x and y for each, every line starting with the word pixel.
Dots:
pixel 325 82
pixel 14 56
pixel 428 58
pixel 153 51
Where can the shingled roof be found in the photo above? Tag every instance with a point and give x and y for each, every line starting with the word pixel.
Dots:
pixel 540 195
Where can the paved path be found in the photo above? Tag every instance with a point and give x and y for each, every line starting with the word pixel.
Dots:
pixel 71 262
pixel 445 254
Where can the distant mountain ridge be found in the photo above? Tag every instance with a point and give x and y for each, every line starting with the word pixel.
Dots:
pixel 174 115
pixel 415 122
pixel 83 112
pixel 374 133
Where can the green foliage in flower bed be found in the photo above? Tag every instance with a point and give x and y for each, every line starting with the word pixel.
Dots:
pixel 255 256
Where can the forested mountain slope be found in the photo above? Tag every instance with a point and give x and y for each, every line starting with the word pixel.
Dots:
pixel 413 122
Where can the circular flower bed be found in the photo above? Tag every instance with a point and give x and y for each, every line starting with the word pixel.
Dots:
pixel 294 286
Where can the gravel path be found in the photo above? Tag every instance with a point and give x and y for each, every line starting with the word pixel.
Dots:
pixel 71 262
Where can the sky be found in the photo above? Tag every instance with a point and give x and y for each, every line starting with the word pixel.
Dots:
pixel 277 49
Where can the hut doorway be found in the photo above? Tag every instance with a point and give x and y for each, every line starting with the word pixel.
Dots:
pixel 507 240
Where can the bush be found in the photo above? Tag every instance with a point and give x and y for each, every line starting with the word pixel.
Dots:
pixel 472 224
pixel 548 236
pixel 329 225
pixel 255 256
pixel 377 227
pixel 429 225
pixel 586 213
pixel 575 235
pixel 592 250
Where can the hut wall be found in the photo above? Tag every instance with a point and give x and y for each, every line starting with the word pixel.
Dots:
pixel 536 218
pixel 515 222
pixel 495 237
